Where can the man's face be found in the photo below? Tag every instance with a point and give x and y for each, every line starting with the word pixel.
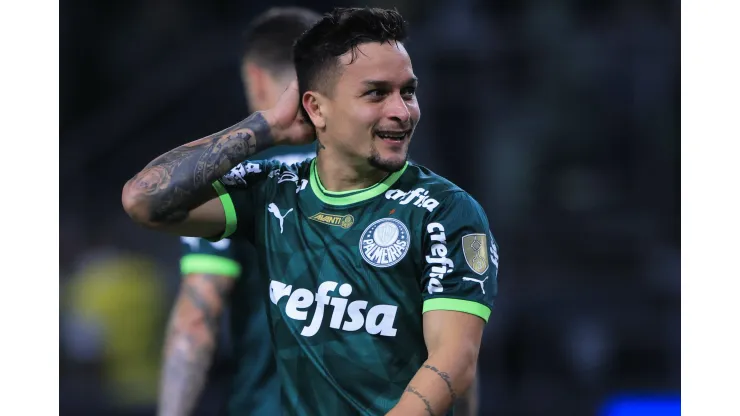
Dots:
pixel 373 111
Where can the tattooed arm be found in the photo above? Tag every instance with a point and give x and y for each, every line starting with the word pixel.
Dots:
pixel 191 342
pixel 453 340
pixel 173 193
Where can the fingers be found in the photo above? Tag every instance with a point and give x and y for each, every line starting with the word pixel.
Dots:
pixel 292 88
pixel 290 96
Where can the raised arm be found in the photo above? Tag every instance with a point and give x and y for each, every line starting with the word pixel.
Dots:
pixel 174 192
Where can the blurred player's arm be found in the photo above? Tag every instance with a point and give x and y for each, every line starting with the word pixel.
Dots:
pixel 191 341
pixel 453 340
pixel 174 192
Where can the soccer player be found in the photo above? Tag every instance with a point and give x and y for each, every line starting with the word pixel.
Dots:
pixel 382 273
pixel 225 273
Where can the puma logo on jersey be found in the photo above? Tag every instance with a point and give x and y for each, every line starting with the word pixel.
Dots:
pixel 478 281
pixel 438 256
pixel 276 212
pixel 420 195
pixel 345 315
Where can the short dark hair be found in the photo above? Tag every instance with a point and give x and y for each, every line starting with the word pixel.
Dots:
pixel 316 52
pixel 269 38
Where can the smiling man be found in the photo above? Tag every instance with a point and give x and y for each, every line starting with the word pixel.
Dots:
pixel 382 273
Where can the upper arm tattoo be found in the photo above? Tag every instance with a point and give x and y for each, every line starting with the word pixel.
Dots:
pixel 178 180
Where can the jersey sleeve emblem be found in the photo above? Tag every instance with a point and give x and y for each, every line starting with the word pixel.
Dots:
pixel 475 251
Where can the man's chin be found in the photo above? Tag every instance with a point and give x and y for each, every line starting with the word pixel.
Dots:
pixel 389 164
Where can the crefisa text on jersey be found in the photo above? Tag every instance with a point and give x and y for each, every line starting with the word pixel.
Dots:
pixel 420 194
pixel 378 320
pixel 438 257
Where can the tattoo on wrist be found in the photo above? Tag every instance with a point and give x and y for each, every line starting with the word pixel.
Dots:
pixel 412 390
pixel 444 376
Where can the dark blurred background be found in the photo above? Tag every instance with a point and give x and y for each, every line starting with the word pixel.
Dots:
pixel 560 117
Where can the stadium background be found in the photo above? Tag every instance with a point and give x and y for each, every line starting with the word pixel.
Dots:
pixel 561 118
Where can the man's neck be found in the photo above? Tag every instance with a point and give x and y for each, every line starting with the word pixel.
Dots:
pixel 338 175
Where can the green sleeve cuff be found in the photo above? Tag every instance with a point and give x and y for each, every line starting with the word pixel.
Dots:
pixel 229 209
pixel 209 264
pixel 459 305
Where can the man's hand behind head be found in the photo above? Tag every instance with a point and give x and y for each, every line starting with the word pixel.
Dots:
pixel 287 124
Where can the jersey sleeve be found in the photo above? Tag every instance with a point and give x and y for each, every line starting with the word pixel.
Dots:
pixel 205 257
pixel 460 265
pixel 241 191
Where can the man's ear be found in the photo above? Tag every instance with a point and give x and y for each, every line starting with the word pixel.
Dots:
pixel 315 105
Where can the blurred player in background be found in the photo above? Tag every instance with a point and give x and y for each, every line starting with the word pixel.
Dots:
pixel 114 318
pixel 382 273
pixel 225 273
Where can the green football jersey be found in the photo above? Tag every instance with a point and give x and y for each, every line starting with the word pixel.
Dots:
pixel 352 273
pixel 255 388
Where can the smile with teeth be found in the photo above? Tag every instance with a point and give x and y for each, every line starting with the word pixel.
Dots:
pixel 395 135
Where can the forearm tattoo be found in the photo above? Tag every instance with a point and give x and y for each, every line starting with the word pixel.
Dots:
pixel 184 374
pixel 412 390
pixel 188 355
pixel 445 377
pixel 179 179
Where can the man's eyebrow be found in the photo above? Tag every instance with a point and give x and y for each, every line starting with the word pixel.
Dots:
pixel 371 83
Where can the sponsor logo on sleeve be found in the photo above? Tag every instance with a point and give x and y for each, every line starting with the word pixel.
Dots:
pixel 441 265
